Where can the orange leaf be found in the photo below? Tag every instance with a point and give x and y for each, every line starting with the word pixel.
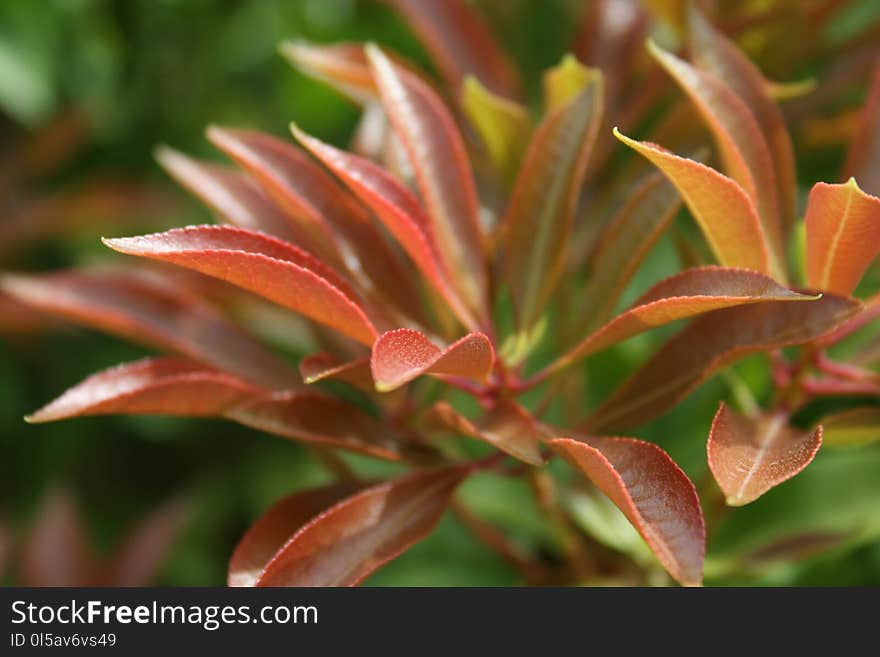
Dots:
pixel 724 212
pixel 261 264
pixel 401 355
pixel 692 292
pixel 273 529
pixel 353 538
pixel 749 456
pixel 654 494
pixel 843 235
pixel 506 426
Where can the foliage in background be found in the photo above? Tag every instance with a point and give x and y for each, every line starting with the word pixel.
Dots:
pixel 571 534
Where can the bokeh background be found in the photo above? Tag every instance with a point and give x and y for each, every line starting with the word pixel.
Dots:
pixel 88 88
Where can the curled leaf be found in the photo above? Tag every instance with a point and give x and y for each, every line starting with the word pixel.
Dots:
pixel 692 292
pixel 652 491
pixel 843 235
pixel 273 529
pixel 710 343
pixel 722 209
pixel 151 311
pixel 401 355
pixel 261 264
pixel 353 538
pixel 506 426
pixel 749 456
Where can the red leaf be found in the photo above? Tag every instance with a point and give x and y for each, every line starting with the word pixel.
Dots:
pixel 398 210
pixel 311 197
pixel 692 292
pixel 146 546
pixel 710 343
pixel 507 426
pixel 344 66
pixel 652 491
pixel 261 264
pixel 460 44
pixel 56 552
pixel 232 195
pixel 166 386
pixel 401 355
pixel 843 235
pixel 748 456
pixel 273 529
pixel 540 214
pixel 722 209
pixel 350 540
pixel 318 367
pixel 311 416
pixel 445 180
pixel 149 310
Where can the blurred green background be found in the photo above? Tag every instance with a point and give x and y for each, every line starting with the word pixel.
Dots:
pixel 144 72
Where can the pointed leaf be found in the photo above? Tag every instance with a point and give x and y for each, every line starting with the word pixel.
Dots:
pixel 313 417
pixel 358 535
pixel 856 426
pixel 437 152
pixel 398 210
pixel 710 343
pixel 652 491
pixel 626 242
pixel 507 426
pixel 232 195
pixel 692 292
pixel 401 355
pixel 539 217
pixel 503 126
pixel 716 54
pixel 843 235
pixel 343 66
pixel 749 456
pixel 167 386
pixel 564 82
pixel 720 206
pixel 863 158
pixel 273 529
pixel 308 194
pixel 151 311
pixel 460 44
pixel 744 151
pixel 318 367
pixel 264 265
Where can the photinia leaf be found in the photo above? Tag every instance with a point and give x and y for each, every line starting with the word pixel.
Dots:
pixel 710 343
pixel 460 44
pixel 540 215
pixel 343 66
pixel 692 292
pixel 744 151
pixel 863 158
pixel 398 210
pixel 263 265
pixel 151 311
pixel 146 546
pixel 503 126
pixel 749 456
pixel 843 235
pixel 353 538
pixel 232 195
pixel 310 196
pixel 626 241
pixel 282 521
pixel 856 426
pixel 724 212
pixel 716 54
pixel 652 491
pixel 506 426
pixel 314 417
pixel 445 181
pixel 565 81
pixel 57 552
pixel 318 367
pixel 401 355
pixel 167 386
